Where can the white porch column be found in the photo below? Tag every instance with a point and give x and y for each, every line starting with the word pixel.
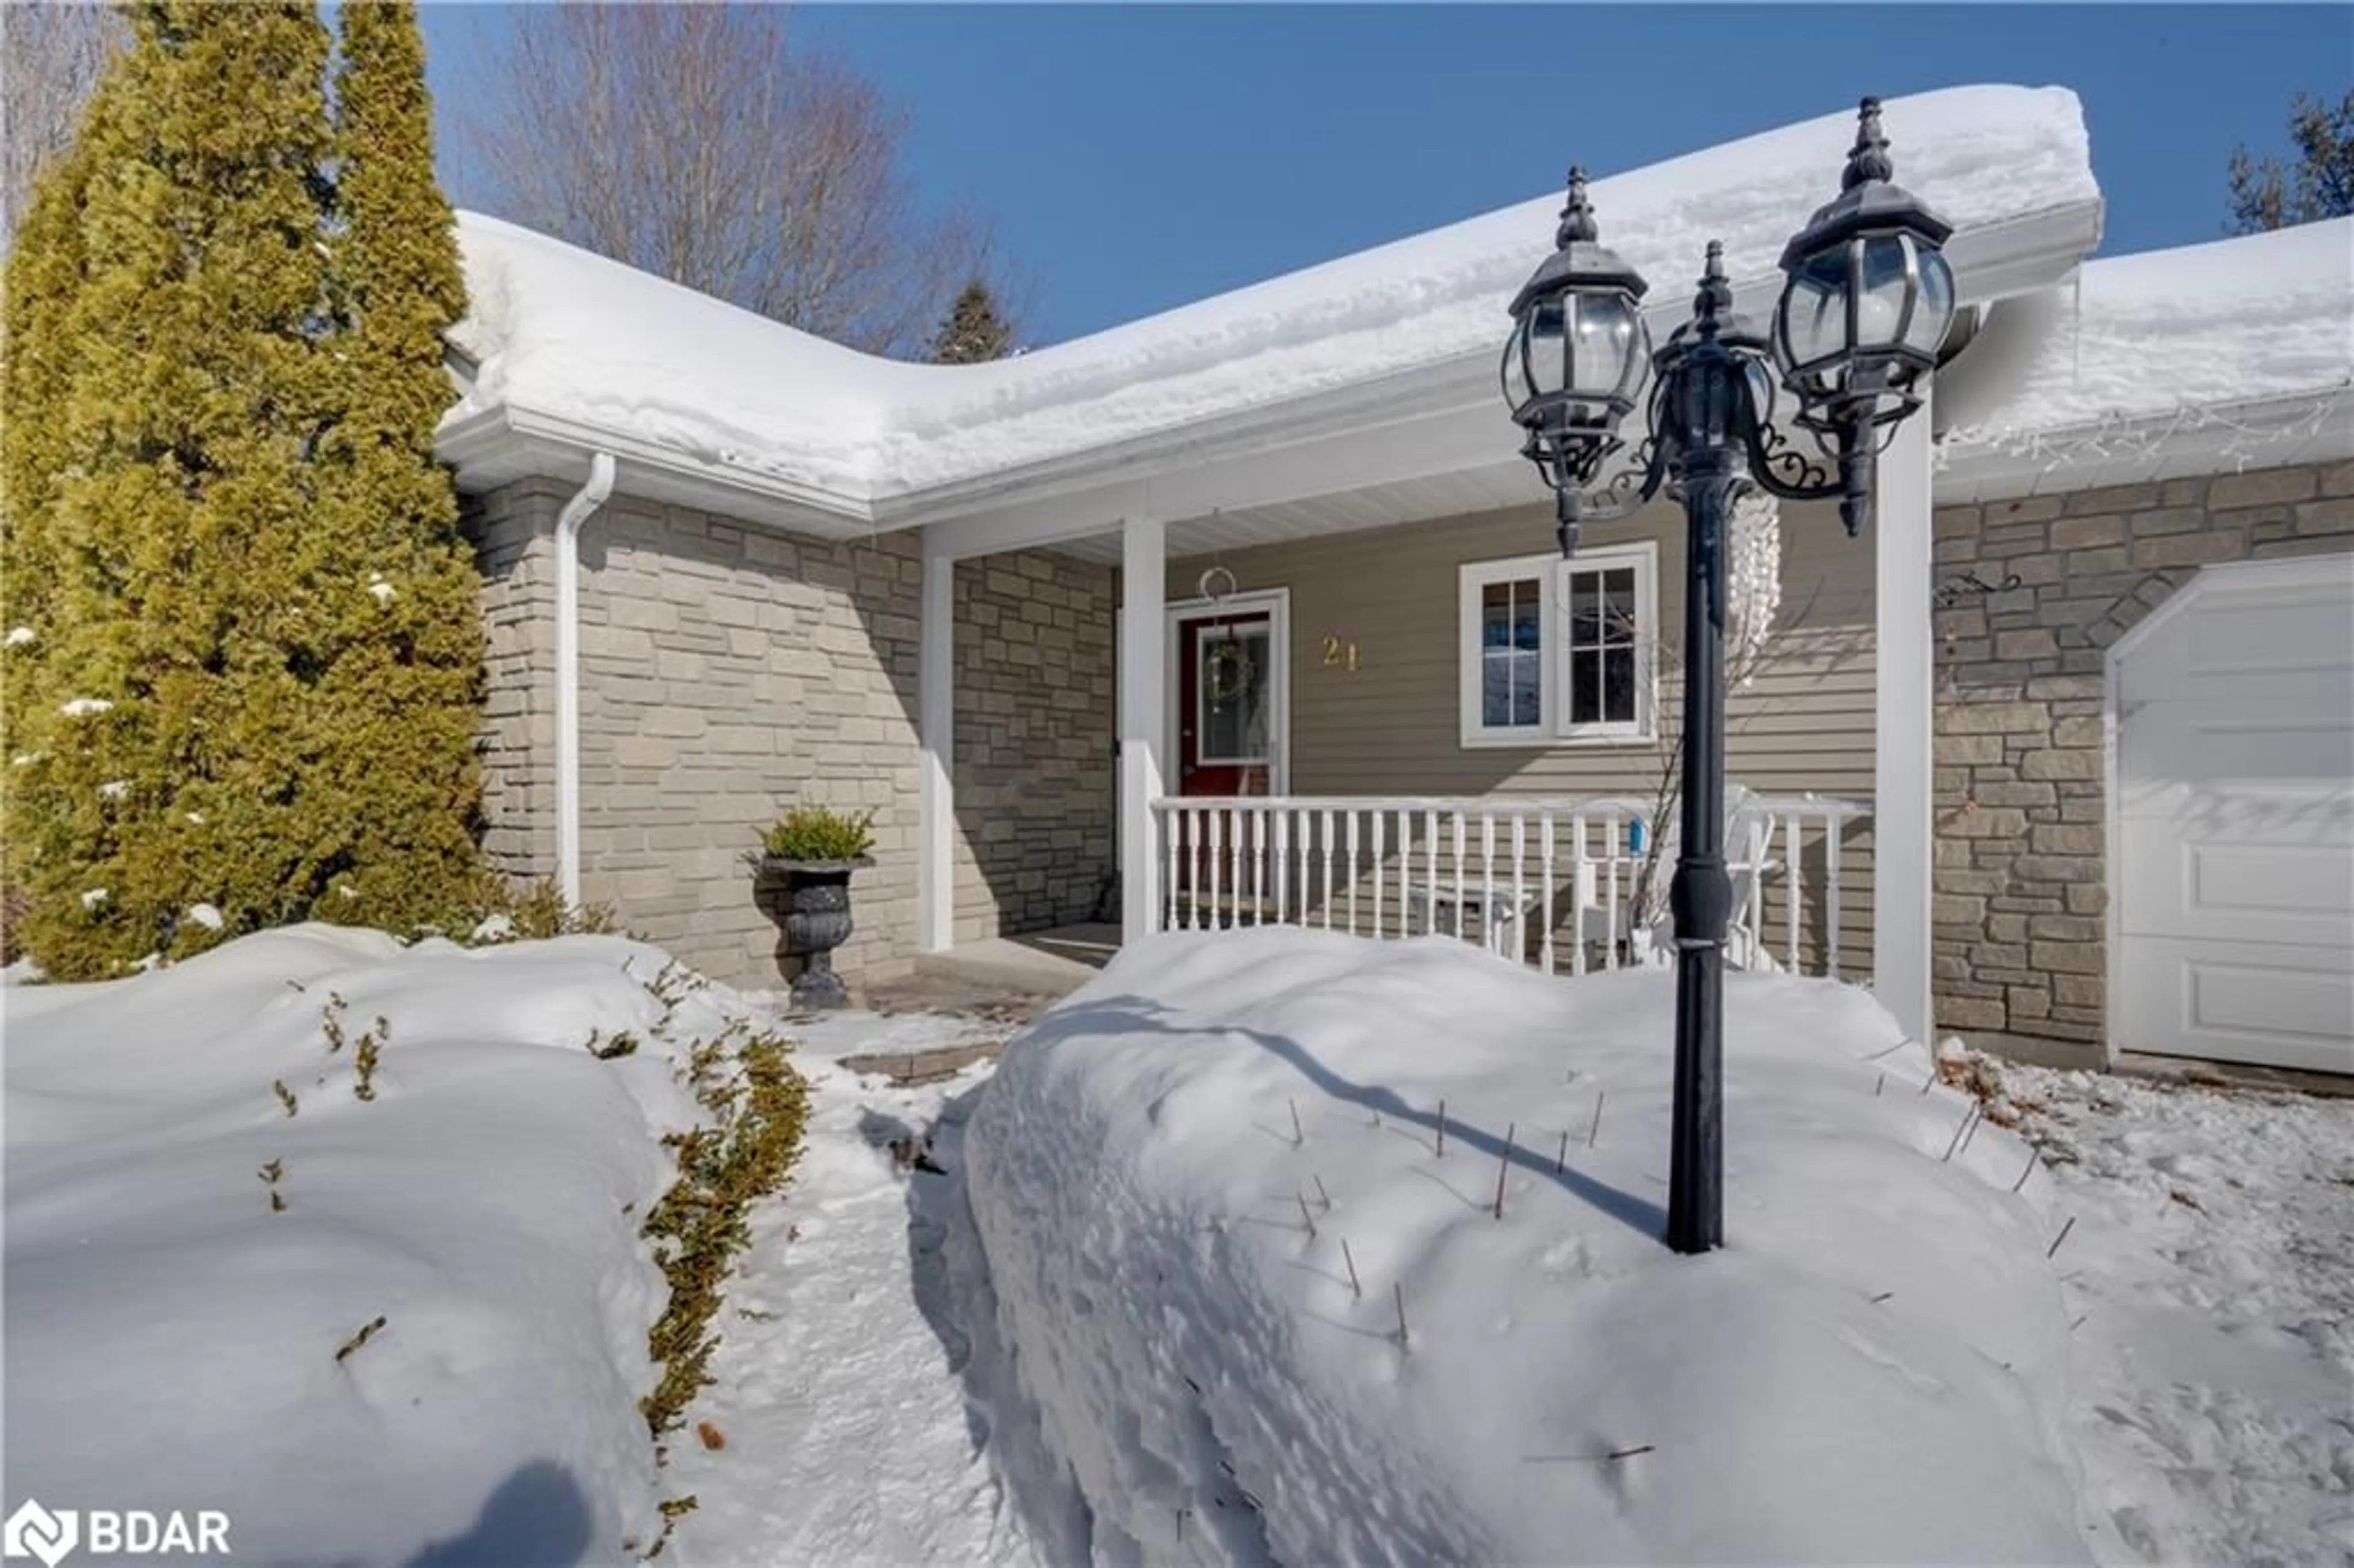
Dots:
pixel 1904 705
pixel 1143 641
pixel 936 721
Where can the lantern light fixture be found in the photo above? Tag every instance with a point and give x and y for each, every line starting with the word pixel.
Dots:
pixel 1867 301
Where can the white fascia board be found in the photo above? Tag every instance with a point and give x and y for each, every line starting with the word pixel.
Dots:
pixel 502 444
pixel 1436 418
pixel 1427 419
pixel 482 450
pixel 1385 399
pixel 2037 250
pixel 2022 255
pixel 1470 435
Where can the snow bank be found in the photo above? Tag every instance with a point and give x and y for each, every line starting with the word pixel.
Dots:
pixel 172 1342
pixel 564 334
pixel 1874 1369
pixel 2203 326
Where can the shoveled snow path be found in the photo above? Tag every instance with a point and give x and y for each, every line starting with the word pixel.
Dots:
pixel 843 1417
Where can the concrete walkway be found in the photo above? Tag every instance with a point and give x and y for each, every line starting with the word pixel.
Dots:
pixel 1043 963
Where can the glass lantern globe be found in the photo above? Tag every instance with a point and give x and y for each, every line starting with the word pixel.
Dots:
pixel 1583 350
pixel 1714 380
pixel 1867 297
pixel 1578 348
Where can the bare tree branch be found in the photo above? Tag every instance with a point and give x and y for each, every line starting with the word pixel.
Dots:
pixel 52 54
pixel 1772 644
pixel 704 144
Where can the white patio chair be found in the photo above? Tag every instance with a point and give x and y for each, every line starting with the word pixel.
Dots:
pixel 1748 839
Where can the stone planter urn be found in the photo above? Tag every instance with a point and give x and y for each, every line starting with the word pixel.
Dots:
pixel 809 900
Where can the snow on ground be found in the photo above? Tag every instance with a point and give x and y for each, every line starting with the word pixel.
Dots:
pixel 558 332
pixel 846 1431
pixel 1154 1360
pixel 2211 1272
pixel 830 1036
pixel 1878 1355
pixel 171 1339
pixel 175 1343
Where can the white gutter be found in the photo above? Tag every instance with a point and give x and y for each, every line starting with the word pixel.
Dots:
pixel 494 446
pixel 568 524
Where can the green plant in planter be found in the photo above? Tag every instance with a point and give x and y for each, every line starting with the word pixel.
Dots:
pixel 817 834
pixel 801 882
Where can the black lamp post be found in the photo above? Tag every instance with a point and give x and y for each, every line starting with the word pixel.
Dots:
pixel 1866 300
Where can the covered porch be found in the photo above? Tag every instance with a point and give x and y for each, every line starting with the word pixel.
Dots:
pixel 1830 880
pixel 1516 836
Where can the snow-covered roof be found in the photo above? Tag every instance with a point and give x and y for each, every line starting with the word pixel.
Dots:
pixel 599 349
pixel 2233 322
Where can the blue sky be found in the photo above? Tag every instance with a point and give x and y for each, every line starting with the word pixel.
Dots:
pixel 1134 157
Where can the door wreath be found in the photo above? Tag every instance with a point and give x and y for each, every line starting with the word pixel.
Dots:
pixel 1228 669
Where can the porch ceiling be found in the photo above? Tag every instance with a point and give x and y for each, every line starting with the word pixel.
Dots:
pixel 1513 482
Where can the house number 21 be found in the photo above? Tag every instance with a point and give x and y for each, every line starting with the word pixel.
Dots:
pixel 1337 652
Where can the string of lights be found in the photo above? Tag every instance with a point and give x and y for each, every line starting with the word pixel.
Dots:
pixel 2250 439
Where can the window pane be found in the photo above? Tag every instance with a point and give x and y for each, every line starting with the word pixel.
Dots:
pixel 1584 610
pixel 1618 591
pixel 1508 692
pixel 1618 685
pixel 1509 615
pixel 1511 664
pixel 1606 632
pixel 1233 687
pixel 1585 686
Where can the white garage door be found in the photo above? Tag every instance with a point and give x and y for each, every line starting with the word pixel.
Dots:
pixel 2234 872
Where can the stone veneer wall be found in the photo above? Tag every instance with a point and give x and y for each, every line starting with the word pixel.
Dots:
pixel 1034 776
pixel 727 673
pixel 728 670
pixel 2021 881
pixel 511 530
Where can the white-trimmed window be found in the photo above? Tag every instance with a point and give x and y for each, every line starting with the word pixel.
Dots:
pixel 1558 651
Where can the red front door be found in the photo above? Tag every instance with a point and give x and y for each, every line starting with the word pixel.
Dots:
pixel 1226 712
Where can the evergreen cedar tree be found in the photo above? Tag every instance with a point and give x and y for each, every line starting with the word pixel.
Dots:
pixel 974 331
pixel 2318 186
pixel 243 666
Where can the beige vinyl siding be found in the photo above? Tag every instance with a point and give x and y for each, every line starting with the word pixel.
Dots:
pixel 1392 725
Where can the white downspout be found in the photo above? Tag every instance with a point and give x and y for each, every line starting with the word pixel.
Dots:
pixel 568 524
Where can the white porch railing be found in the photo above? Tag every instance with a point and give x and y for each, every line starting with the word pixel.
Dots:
pixel 1553 882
